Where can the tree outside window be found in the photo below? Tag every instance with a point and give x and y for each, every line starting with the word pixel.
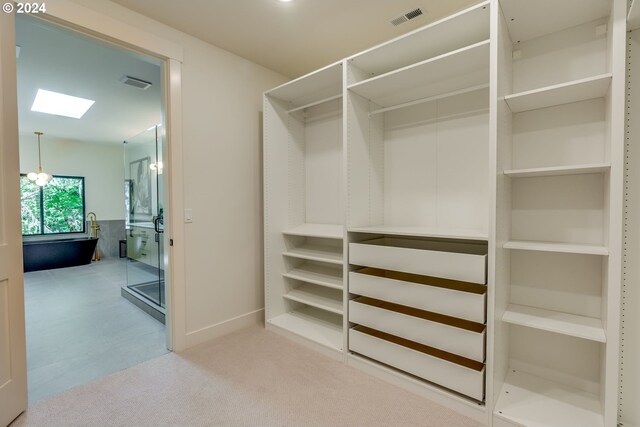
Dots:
pixel 56 208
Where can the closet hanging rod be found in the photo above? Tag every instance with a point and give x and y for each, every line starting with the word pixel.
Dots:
pixel 429 99
pixel 313 104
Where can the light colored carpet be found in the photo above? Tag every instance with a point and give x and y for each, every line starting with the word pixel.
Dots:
pixel 252 377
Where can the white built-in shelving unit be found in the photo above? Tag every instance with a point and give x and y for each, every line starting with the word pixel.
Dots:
pixel 559 154
pixel 304 226
pixel 444 210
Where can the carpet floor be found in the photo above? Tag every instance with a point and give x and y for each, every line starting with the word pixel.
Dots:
pixel 252 377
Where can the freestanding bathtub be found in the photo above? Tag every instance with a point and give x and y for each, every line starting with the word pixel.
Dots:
pixel 57 253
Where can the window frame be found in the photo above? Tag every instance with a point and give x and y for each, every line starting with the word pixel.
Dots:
pixel 84 209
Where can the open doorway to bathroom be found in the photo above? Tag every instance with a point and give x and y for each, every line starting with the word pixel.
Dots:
pixel 102 176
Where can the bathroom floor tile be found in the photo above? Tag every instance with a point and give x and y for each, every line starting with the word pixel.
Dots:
pixel 79 327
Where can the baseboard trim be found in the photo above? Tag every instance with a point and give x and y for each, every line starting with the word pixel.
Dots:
pixel 253 318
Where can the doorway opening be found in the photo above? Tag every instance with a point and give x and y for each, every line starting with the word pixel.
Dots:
pixel 93 231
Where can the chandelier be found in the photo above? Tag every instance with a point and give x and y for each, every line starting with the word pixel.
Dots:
pixel 41 178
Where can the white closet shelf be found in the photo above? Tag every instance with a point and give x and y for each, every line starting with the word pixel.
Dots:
pixel 328 254
pixel 460 29
pixel 316 296
pixel 554 321
pixel 422 232
pixel 330 277
pixel 399 86
pixel 559 170
pixel 314 103
pixel 633 18
pixel 313 324
pixel 569 248
pixel 312 88
pixel 533 401
pixel 563 93
pixel 329 231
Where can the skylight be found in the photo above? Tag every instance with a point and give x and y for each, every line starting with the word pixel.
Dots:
pixel 60 104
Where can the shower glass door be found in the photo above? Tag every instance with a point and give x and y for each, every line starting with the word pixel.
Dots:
pixel 144 194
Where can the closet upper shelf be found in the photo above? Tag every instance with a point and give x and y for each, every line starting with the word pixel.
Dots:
pixel 563 93
pixel 633 18
pixel 527 20
pixel 312 88
pixel 422 232
pixel 461 29
pixel 462 68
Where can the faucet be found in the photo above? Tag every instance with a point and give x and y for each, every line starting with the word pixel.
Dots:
pixel 95 228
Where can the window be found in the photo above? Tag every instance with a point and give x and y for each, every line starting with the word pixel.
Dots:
pixel 56 208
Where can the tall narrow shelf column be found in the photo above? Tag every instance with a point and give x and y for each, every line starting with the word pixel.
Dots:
pixel 418 208
pixel 559 151
pixel 303 171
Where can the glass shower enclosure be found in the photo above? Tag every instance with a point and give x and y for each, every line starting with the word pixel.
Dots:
pixel 144 219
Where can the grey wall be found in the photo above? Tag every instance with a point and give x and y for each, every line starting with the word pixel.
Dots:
pixel 110 234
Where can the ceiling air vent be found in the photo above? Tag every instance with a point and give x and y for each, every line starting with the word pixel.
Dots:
pixel 138 83
pixel 406 17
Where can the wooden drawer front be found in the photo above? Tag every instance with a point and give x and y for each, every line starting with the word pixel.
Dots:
pixel 414 256
pixel 462 379
pixel 445 337
pixel 442 300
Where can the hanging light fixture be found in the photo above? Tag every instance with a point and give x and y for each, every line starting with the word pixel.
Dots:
pixel 41 178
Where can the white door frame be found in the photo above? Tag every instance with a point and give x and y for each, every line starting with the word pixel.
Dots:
pixel 13 360
pixel 89 22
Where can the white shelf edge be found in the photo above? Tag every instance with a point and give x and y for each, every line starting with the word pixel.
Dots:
pixel 633 18
pixel 314 103
pixel 570 248
pixel 427 27
pixel 314 253
pixel 328 231
pixel 313 297
pixel 304 77
pixel 533 401
pixel 554 321
pixel 422 232
pixel 309 327
pixel 429 99
pixel 593 87
pixel 354 87
pixel 559 170
pixel 311 277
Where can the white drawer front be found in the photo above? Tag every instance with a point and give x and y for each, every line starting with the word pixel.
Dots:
pixel 459 378
pixel 455 340
pixel 448 265
pixel 460 304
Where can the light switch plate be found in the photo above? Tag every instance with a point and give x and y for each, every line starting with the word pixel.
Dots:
pixel 188 215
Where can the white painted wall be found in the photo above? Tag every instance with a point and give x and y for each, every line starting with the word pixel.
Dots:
pixel 221 110
pixel 100 164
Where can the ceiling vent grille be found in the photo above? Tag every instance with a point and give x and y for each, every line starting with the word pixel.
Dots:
pixel 137 83
pixel 406 17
